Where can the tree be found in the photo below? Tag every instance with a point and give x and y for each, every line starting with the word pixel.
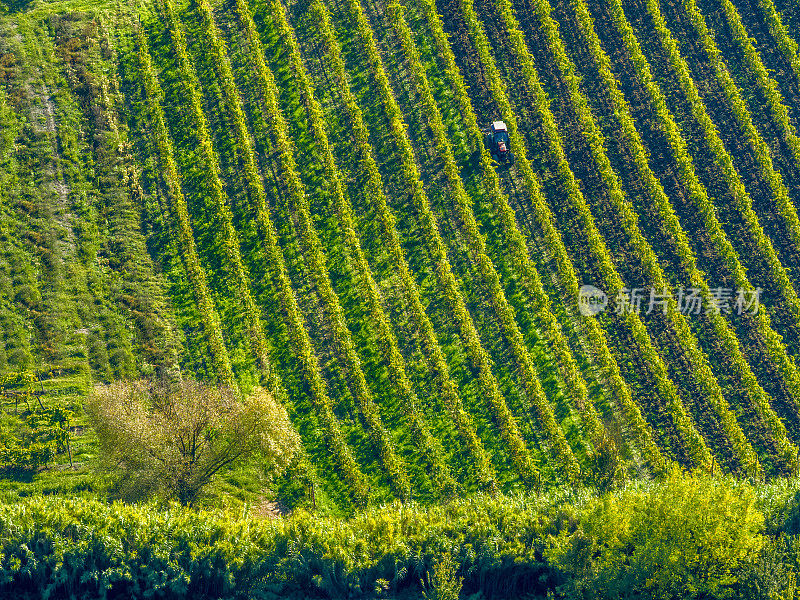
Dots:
pixel 172 438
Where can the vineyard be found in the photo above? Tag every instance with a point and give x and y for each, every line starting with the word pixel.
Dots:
pixel 298 194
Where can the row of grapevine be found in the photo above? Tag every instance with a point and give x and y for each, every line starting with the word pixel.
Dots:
pixel 116 359
pixel 78 254
pixel 611 374
pixel 723 333
pixel 431 348
pixel 476 244
pixel 316 263
pixel 574 383
pixel 787 45
pixel 153 200
pixel 214 189
pixel 766 84
pixel 155 335
pixel 508 428
pixel 16 265
pixel 430 451
pixel 425 234
pixel 424 238
pixel 696 190
pixel 696 361
pixel 299 335
pixel 692 442
pixel 690 437
pixel 56 294
pixel 772 342
pixel 194 270
pixel 778 191
pixel 20 290
pixel 639 427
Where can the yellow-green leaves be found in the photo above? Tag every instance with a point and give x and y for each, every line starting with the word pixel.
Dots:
pixel 430 450
pixel 482 471
pixel 194 270
pixel 316 261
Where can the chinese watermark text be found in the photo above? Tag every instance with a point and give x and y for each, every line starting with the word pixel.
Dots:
pixel 687 301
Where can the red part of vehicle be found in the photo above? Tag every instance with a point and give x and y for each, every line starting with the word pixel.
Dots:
pixel 498 143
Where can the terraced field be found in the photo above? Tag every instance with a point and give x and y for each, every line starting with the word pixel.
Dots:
pixel 298 195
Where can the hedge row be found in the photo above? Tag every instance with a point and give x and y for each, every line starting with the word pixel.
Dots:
pixel 687 537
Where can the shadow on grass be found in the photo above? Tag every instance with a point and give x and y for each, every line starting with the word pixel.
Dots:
pixel 14 6
pixel 18 475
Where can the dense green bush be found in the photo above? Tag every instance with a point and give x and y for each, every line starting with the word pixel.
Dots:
pixel 89 549
pixel 57 548
pixel 771 574
pixel 23 454
pixel 685 538
pixel 780 503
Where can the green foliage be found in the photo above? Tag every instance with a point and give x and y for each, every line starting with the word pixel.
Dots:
pixel 13 6
pixel 771 574
pixel 25 449
pixel 429 450
pixel 605 468
pixel 459 276
pixel 505 313
pixel 723 159
pixel 86 549
pixel 300 338
pixel 482 470
pixel 695 278
pixel 443 580
pixel 29 442
pixel 188 246
pixel 684 539
pixel 172 438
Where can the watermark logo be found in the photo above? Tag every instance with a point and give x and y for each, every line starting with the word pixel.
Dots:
pixel 688 301
pixel 591 301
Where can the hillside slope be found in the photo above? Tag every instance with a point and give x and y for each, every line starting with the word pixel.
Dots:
pixel 298 195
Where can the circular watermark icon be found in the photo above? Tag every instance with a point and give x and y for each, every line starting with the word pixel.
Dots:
pixel 591 301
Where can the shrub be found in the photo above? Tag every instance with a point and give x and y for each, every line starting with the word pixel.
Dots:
pixel 771 574
pixel 171 439
pixel 683 539
pixel 606 470
pixel 31 441
pixel 443 581
pixel 22 456
pixel 58 548
pixel 780 503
